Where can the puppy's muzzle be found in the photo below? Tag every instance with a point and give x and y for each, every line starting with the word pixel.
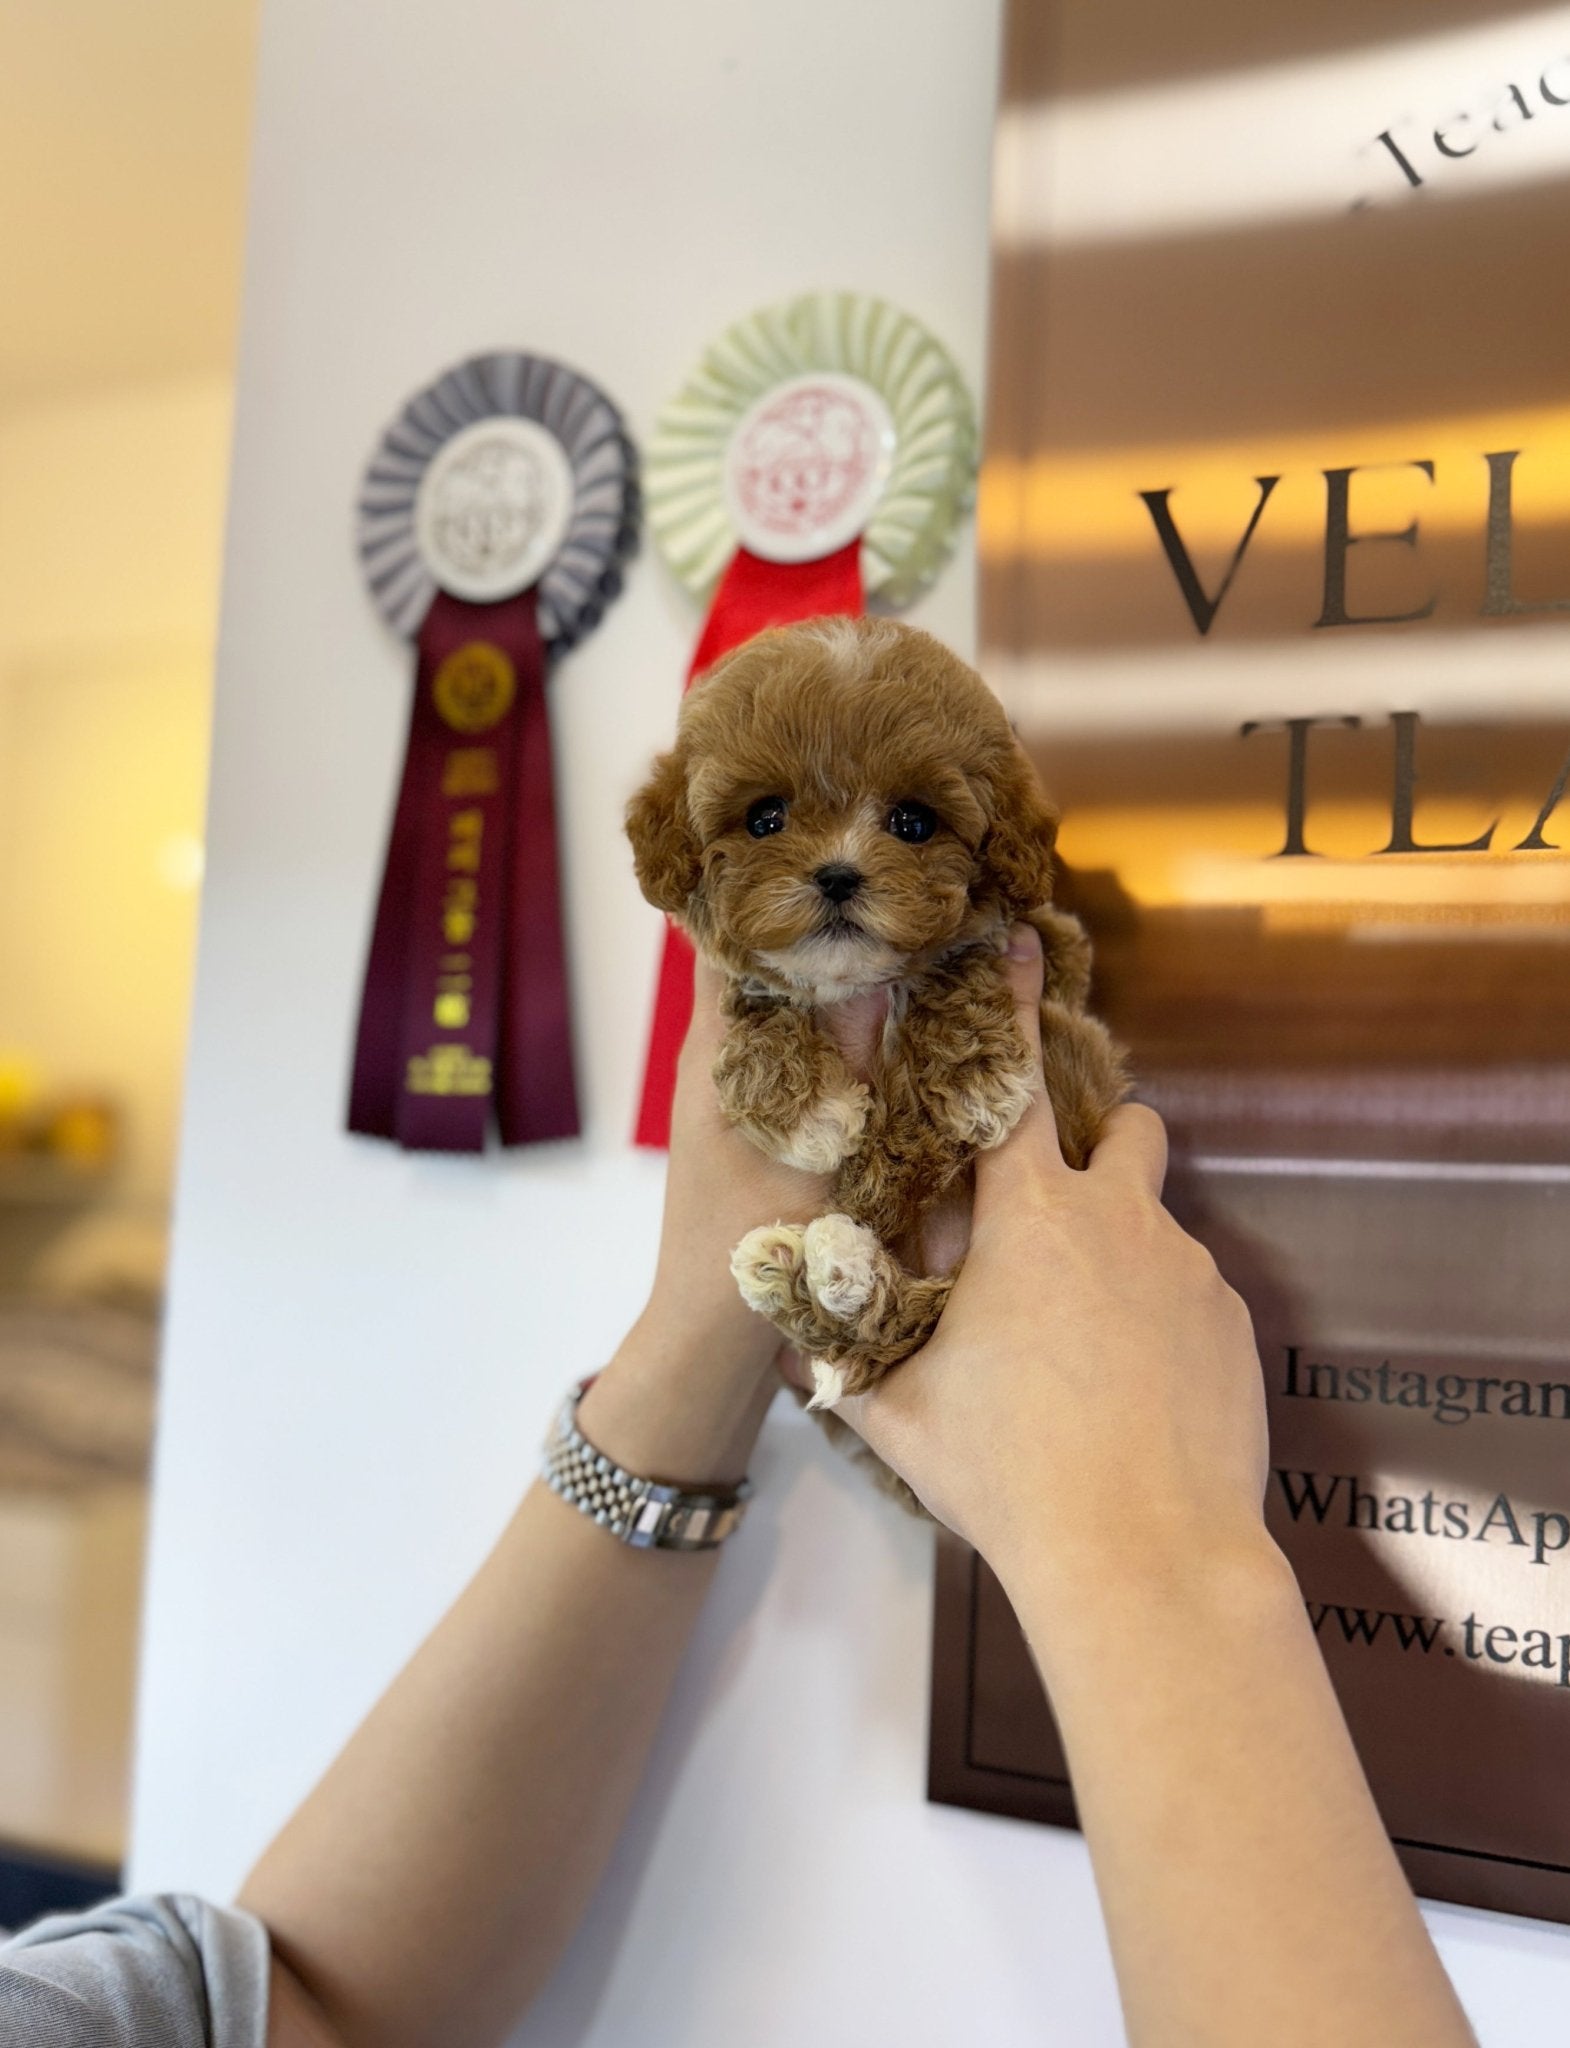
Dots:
pixel 838 882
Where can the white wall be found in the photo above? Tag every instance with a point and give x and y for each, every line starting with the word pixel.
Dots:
pixel 364 1347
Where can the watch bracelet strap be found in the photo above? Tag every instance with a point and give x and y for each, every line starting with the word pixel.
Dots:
pixel 645 1514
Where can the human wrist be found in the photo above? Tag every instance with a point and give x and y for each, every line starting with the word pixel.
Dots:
pixel 680 1401
pixel 1080 1601
pixel 694 1325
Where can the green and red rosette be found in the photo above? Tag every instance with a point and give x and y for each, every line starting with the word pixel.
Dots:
pixel 821 455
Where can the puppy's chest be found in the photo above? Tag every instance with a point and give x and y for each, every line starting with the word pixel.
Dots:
pixel 919 1136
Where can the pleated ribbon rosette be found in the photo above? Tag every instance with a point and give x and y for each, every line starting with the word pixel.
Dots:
pixel 494 518
pixel 821 455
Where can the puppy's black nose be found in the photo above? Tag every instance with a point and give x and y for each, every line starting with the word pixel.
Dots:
pixel 838 881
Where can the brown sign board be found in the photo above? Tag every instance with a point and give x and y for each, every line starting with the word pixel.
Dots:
pixel 1275 535
pixel 994 1748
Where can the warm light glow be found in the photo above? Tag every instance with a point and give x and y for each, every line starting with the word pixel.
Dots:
pixel 1074 504
pixel 1201 686
pixel 21 1082
pixel 108 600
pixel 1218 856
pixel 1208 880
pixel 181 861
pixel 1375 923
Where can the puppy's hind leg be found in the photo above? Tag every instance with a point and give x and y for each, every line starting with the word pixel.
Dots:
pixel 770 1269
pixel 882 1311
pixel 767 1267
pixel 846 1265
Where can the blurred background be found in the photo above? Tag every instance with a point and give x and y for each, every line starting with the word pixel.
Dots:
pixel 123 135
pixel 1238 252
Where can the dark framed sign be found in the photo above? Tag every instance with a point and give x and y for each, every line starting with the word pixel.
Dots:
pixel 1275 534
pixel 993 1743
pixel 995 1748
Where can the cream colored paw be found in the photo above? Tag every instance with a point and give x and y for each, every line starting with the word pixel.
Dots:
pixel 829 1132
pixel 765 1265
pixel 983 1117
pixel 842 1265
pixel 828 1384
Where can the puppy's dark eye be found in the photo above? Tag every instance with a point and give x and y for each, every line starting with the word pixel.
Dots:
pixel 765 816
pixel 912 822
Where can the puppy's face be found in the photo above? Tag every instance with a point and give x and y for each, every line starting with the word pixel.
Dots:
pixel 844 800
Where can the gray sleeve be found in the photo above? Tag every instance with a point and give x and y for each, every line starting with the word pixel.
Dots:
pixel 166 1972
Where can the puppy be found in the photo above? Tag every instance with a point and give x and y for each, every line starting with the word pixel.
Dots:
pixel 846 810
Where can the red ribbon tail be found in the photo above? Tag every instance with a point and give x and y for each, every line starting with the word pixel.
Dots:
pixel 672 1014
pixel 752 596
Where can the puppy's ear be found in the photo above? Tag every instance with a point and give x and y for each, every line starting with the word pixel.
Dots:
pixel 1016 855
pixel 664 850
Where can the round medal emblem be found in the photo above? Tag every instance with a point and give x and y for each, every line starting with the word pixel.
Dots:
pixel 806 466
pixel 493 508
pixel 474 687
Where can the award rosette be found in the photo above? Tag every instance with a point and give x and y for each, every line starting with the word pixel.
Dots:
pixel 821 454
pixel 494 518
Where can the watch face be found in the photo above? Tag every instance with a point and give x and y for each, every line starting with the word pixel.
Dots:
pixel 806 466
pixel 493 508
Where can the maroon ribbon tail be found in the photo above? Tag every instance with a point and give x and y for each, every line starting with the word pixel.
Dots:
pixel 378 1045
pixel 537 1096
pixel 465 999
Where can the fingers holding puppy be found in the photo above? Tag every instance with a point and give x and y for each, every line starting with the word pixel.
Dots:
pixel 1034 1140
pixel 708 1023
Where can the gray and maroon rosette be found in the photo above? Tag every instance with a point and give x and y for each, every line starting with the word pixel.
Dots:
pixel 494 519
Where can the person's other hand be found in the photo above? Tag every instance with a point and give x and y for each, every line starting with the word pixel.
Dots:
pixel 1093 1394
pixel 719 1186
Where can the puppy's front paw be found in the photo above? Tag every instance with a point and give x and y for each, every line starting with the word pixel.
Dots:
pixel 983 1114
pixel 842 1267
pixel 765 1265
pixel 824 1138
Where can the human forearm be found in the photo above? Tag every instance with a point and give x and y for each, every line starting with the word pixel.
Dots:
pixel 425 1888
pixel 1091 1416
pixel 1249 1889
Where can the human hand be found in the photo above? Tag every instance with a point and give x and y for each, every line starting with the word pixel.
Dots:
pixel 1092 1400
pixel 688 1386
pixel 720 1185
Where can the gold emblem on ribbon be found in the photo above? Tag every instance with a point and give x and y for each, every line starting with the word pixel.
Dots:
pixel 447 1070
pixel 471 771
pixel 474 687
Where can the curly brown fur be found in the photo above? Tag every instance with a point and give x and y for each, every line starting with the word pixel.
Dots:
pixel 832 734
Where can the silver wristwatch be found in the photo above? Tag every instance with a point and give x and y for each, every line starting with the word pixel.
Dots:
pixel 645 1513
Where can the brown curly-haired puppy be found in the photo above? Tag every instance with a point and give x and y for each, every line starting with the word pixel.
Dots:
pixel 846 809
